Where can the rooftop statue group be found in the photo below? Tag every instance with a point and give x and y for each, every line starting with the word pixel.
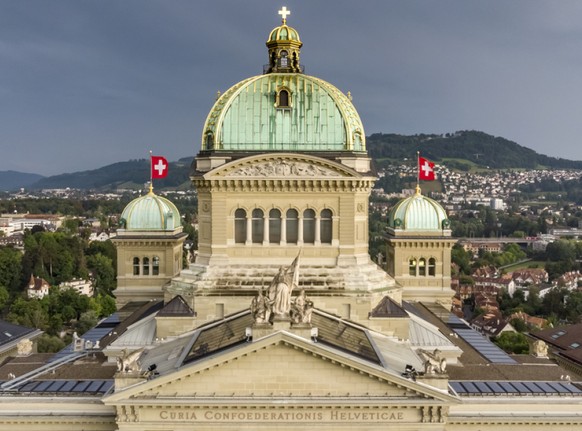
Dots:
pixel 278 303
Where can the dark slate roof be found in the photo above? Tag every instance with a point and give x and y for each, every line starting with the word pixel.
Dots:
pixel 66 387
pixel 219 335
pixel 112 327
pixel 177 307
pixel 138 313
pixel 333 331
pixel 10 332
pixel 387 307
pixel 573 355
pixel 515 388
pixel 564 337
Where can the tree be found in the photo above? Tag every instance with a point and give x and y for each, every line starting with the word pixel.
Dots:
pixel 462 258
pixel 519 325
pixel 10 268
pixel 553 302
pixel 87 320
pixel 512 342
pixel 573 306
pixel 49 344
pixel 103 272
pixel 4 297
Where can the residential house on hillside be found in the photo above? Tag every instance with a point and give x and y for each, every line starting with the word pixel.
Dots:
pixel 498 283
pixel 492 323
pixel 532 322
pixel 568 280
pixel 485 271
pixel 37 287
pixel 529 277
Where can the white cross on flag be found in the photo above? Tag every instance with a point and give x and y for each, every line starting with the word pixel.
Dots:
pixel 425 169
pixel 159 167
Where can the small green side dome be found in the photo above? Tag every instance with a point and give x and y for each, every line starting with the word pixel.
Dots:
pixel 151 213
pixel 283 33
pixel 418 212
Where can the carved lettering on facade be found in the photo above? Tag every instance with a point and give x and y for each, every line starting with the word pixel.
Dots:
pixel 338 415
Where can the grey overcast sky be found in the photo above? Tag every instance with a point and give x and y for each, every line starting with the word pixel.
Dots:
pixel 86 83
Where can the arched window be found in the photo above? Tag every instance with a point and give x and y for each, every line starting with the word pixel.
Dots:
pixel 432 267
pixel 240 226
pixel 284 60
pixel 257 226
pixel 283 99
pixel 292 226
pixel 326 226
pixel 136 266
pixel 308 226
pixel 412 267
pixel 274 226
pixel 156 265
pixel 146 266
pixel 422 267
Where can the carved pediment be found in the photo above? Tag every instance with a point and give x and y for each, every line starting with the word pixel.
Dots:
pixel 282 168
pixel 280 367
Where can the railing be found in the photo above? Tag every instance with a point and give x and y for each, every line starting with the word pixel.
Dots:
pixel 267 68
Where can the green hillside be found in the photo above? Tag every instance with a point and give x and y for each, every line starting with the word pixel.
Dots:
pixel 477 147
pixel 131 175
pixel 465 150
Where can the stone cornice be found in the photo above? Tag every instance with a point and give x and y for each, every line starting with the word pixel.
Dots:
pixel 285 185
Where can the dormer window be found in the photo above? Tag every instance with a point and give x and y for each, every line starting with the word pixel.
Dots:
pixel 283 99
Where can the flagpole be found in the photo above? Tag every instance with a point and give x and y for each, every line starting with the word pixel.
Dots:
pixel 418 172
pixel 151 174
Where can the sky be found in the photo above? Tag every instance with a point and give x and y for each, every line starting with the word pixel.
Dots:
pixel 87 83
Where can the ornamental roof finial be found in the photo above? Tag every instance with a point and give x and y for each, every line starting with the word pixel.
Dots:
pixel 284 12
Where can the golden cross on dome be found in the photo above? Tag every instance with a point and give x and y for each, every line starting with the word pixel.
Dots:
pixel 284 12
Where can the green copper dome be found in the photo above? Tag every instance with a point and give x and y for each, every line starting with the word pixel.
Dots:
pixel 150 213
pixel 418 213
pixel 283 112
pixel 284 33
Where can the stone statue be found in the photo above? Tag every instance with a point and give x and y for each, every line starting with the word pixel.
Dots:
pixel 433 362
pixel 301 309
pixel 380 259
pixel 540 349
pixel 281 288
pixel 24 347
pixel 78 343
pixel 261 308
pixel 129 361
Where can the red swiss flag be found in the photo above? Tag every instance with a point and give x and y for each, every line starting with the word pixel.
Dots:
pixel 159 167
pixel 425 169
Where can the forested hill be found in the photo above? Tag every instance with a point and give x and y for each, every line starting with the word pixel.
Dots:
pixel 458 150
pixel 477 147
pixel 132 174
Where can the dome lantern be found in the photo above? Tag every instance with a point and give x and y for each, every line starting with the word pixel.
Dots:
pixel 284 48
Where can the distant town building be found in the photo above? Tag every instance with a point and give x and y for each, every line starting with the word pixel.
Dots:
pixel 83 287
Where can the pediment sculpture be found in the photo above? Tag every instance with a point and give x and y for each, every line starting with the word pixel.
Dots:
pixel 282 168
